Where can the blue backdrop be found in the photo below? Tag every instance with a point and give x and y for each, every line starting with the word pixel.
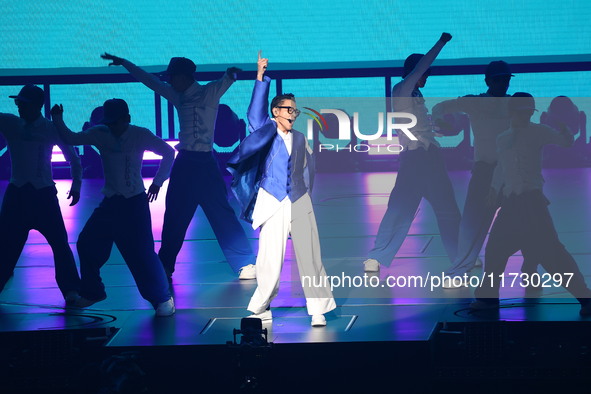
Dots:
pixel 63 33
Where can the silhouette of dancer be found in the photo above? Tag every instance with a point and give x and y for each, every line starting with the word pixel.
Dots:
pixel 524 222
pixel 123 217
pixel 30 201
pixel 422 172
pixel 195 179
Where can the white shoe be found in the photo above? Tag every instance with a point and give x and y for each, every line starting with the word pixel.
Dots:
pixel 371 265
pixel 318 321
pixel 265 316
pixel 166 308
pixel 454 283
pixel 247 272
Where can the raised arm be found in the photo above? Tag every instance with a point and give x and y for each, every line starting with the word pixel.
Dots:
pixel 409 82
pixel 150 80
pixel 67 135
pixel 219 87
pixel 258 114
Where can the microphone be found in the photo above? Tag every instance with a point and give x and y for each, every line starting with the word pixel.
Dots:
pixel 288 119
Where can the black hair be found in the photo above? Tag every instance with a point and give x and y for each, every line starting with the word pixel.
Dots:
pixel 277 100
pixel 522 94
pixel 521 99
pixel 411 62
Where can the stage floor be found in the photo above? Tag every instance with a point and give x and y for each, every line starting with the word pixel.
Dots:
pixel 210 300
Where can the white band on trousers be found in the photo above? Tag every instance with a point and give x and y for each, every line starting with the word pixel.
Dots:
pixel 297 219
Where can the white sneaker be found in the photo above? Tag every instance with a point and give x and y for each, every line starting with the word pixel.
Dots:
pixel 265 316
pixel 166 308
pixel 454 283
pixel 318 321
pixel 248 272
pixel 371 265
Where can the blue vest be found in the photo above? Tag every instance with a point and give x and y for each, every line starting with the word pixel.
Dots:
pixel 283 175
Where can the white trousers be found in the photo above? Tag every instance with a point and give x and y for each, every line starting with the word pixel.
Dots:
pixel 298 220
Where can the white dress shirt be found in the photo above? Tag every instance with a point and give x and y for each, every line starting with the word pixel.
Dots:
pixel 489 117
pixel 519 167
pixel 423 130
pixel 30 146
pixel 197 107
pixel 122 156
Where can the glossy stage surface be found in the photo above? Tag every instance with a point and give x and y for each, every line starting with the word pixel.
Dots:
pixel 210 300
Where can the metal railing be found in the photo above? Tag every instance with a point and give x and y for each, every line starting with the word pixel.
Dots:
pixel 282 71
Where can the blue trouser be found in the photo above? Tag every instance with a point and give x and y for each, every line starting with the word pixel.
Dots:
pixel 524 223
pixel 196 180
pixel 26 208
pixel 422 174
pixel 127 223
